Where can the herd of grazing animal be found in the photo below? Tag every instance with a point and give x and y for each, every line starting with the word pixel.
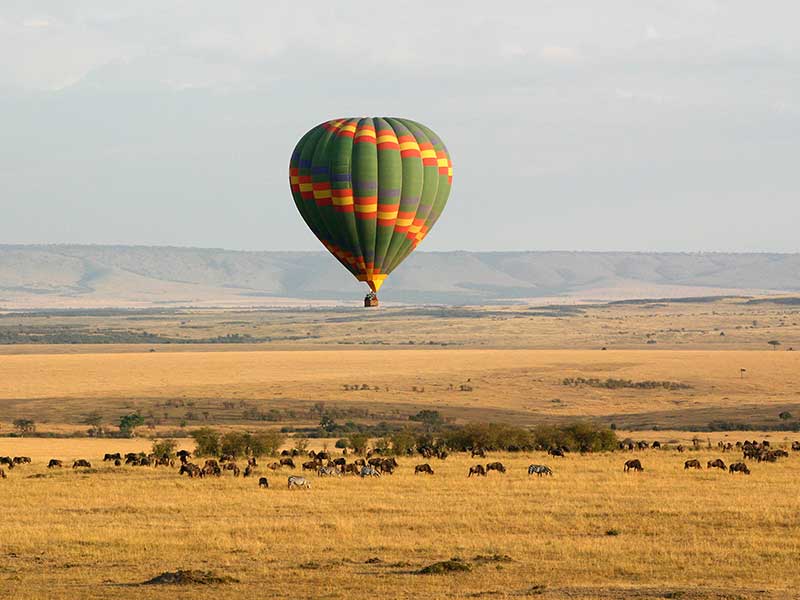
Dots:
pixel 324 465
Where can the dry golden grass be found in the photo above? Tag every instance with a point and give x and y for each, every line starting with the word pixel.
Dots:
pixel 508 385
pixel 69 535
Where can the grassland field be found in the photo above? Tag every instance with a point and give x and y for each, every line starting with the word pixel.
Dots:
pixel 590 531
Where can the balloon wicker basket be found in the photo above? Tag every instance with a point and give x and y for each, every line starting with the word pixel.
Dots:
pixel 370 300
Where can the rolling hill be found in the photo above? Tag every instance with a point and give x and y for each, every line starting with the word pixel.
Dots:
pixel 70 276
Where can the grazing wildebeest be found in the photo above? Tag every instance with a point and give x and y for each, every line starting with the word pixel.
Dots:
pixel 21 460
pixel 248 470
pixel 81 463
pixel 360 462
pixel 287 462
pixel 263 482
pixel 331 471
pixel 739 468
pixel 477 470
pixel 692 463
pixel 496 466
pixel 681 448
pixel 191 469
pixel 7 460
pixel 226 458
pixel 540 470
pixel 796 446
pixel 717 463
pixel 211 463
pixel 184 455
pixel 478 452
pixel 251 462
pixel 387 465
pixel 296 483
pixel 340 462
pixel 110 457
pixel 656 445
pixel 232 466
pixel 423 468
pixel 310 465
pixel 556 452
pixel 117 463
pixel 442 454
pixel 352 468
pixel 274 466
pixel 54 462
pixel 633 465
pixel 369 471
pixel 374 462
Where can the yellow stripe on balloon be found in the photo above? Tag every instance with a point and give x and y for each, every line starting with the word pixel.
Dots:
pixel 343 201
pixel 404 222
pixel 306 187
pixel 391 214
pixel 387 138
pixel 428 154
pixel 409 146
pixel 366 208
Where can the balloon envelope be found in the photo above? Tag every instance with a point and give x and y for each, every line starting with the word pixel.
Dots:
pixel 370 189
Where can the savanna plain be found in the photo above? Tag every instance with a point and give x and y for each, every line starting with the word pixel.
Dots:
pixel 690 373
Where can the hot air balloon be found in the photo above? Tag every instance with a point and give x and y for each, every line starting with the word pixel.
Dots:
pixel 370 189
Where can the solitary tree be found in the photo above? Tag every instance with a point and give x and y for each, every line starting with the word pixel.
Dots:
pixel 129 423
pixel 24 426
pixel 785 415
pixel 774 344
pixel 94 420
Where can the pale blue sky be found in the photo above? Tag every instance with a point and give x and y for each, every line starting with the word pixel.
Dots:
pixel 638 125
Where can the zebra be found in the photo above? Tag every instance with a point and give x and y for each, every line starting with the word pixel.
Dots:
pixel 539 470
pixel 298 483
pixel 368 471
pixel 329 472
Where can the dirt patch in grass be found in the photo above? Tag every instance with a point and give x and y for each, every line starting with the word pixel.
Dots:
pixel 454 565
pixel 189 577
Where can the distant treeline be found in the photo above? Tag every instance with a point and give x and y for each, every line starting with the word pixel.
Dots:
pixel 613 384
pixel 10 336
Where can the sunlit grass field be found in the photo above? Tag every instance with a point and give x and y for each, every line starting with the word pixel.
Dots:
pixel 590 531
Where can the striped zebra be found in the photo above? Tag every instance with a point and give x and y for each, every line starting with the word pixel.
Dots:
pixel 331 471
pixel 539 470
pixel 296 483
pixel 368 471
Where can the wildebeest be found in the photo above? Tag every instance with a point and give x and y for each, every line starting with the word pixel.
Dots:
pixel 263 482
pixel 739 468
pixel 248 470
pixel 184 455
pixel 191 469
pixel 796 446
pixel 340 462
pixel 310 465
pixel 232 466
pixel 352 468
pixel 692 463
pixel 117 463
pixel 441 454
pixel 681 448
pixel 54 462
pixel 287 462
pixel 226 458
pixel 633 465
pixel 274 466
pixel 211 463
pixel 423 468
pixel 251 462
pixel 369 471
pixel 21 460
pixel 556 452
pixel 331 471
pixel 7 460
pixel 478 452
pixel 717 463
pixel 656 445
pixel 539 470
pixel 111 457
pixel 296 483
pixel 360 462
pixel 477 470
pixel 2 474
pixel 496 466
pixel 81 463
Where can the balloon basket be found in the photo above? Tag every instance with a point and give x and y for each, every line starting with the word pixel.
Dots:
pixel 370 300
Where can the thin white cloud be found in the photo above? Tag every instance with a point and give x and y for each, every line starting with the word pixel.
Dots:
pixel 559 54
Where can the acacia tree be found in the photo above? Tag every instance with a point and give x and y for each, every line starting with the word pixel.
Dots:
pixel 774 344
pixel 129 423
pixel 24 425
